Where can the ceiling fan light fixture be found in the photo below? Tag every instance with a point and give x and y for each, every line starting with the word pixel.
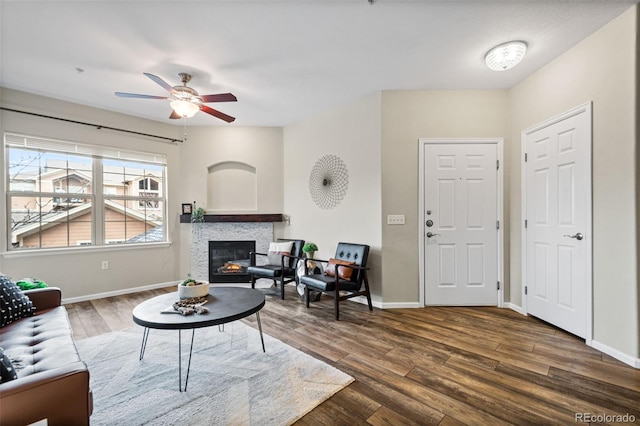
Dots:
pixel 506 55
pixel 184 108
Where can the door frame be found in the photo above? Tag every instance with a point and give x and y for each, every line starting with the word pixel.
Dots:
pixel 585 108
pixel 499 142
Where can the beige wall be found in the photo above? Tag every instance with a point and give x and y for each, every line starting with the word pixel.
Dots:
pixel 377 137
pixel 259 147
pixel 79 273
pixel 600 69
pixel 352 132
pixel 406 117
pixel 186 180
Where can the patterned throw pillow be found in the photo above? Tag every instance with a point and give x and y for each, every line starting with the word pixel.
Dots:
pixel 343 272
pixel 7 372
pixel 276 250
pixel 13 303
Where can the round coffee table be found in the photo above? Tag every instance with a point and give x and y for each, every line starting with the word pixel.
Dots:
pixel 225 304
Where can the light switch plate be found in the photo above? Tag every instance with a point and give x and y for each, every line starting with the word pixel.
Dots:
pixel 395 219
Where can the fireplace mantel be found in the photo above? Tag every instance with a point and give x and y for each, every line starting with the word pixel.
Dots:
pixel 212 218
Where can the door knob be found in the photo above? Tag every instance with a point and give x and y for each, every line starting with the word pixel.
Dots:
pixel 577 236
pixel 431 234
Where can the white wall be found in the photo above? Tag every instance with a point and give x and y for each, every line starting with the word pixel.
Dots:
pixel 601 69
pixel 352 132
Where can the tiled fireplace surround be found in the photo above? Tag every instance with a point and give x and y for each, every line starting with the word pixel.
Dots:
pixel 202 233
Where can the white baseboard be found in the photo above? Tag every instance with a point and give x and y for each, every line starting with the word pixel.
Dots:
pixel 401 305
pixel 620 356
pixel 117 292
pixel 516 308
pixel 363 300
pixel 381 305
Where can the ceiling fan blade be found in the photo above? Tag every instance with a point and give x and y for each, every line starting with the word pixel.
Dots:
pixel 135 95
pixel 216 113
pixel 161 82
pixel 220 97
pixel 174 115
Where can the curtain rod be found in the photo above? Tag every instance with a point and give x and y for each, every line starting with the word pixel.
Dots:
pixel 97 126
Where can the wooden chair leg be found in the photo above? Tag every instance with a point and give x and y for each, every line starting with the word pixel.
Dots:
pixel 282 289
pixel 366 286
pixel 336 304
pixel 253 281
pixel 306 295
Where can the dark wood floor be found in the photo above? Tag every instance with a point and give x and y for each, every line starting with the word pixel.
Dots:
pixel 447 366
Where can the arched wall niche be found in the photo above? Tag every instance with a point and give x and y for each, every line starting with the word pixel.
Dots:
pixel 232 186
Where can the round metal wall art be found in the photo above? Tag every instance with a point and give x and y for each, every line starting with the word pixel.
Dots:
pixel 328 182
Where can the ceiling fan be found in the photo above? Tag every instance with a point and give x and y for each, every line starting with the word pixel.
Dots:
pixel 184 100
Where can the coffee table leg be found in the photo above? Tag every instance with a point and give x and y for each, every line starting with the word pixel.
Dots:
pixel 193 333
pixel 260 328
pixel 145 336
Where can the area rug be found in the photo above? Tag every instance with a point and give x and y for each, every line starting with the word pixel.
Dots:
pixel 232 382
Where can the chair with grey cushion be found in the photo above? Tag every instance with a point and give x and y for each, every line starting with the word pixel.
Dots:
pixel 346 272
pixel 279 266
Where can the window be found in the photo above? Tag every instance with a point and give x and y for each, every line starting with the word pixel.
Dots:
pixel 63 194
pixel 139 193
pixel 148 189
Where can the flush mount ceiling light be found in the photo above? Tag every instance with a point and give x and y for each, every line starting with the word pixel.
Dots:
pixel 506 55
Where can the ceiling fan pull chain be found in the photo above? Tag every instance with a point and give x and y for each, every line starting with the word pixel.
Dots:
pixel 184 119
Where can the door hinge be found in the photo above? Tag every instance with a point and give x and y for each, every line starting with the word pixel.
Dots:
pixel 526 290
pixel 497 224
pixel 525 223
pixel 498 285
pixel 497 164
pixel 525 157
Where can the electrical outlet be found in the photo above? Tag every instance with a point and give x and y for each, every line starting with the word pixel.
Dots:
pixel 105 264
pixel 395 219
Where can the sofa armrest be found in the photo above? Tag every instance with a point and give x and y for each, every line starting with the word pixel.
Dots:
pixel 45 298
pixel 61 395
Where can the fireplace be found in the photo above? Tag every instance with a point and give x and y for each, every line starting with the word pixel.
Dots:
pixel 228 261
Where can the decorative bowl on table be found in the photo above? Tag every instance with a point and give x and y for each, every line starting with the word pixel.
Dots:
pixel 191 288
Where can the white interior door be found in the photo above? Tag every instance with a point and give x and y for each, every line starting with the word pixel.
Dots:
pixel 461 229
pixel 557 207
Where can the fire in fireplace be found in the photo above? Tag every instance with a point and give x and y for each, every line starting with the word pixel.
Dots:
pixel 228 261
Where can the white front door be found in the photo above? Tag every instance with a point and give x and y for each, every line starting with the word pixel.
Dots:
pixel 461 213
pixel 557 213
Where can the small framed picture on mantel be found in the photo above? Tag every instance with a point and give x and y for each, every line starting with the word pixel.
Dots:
pixel 186 208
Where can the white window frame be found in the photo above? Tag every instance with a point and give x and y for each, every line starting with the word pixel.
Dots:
pixel 97 153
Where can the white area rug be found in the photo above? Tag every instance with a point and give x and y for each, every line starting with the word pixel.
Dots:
pixel 232 382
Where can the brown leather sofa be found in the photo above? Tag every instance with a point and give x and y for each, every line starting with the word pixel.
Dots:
pixel 52 383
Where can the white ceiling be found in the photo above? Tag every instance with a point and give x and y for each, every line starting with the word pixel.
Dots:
pixel 284 60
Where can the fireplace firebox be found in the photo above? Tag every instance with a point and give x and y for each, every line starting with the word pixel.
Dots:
pixel 229 260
